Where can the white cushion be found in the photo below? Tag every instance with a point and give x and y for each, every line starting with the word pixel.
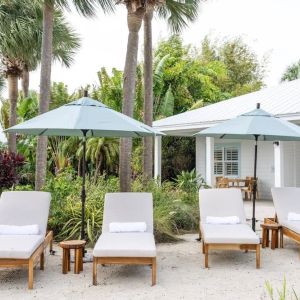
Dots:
pixel 127 227
pixel 292 225
pixel 19 246
pixel 25 208
pixel 19 230
pixel 228 234
pixel 293 216
pixel 286 200
pixel 221 202
pixel 125 245
pixel 128 207
pixel 223 220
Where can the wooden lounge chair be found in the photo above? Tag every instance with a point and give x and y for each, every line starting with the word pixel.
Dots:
pixel 24 208
pixel 287 200
pixel 225 203
pixel 136 248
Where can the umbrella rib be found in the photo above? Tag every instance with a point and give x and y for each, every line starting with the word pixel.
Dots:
pixel 43 131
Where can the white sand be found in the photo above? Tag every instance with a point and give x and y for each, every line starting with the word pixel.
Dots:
pixel 181 275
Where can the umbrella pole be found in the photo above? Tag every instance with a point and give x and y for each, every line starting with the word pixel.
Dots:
pixel 83 193
pixel 254 184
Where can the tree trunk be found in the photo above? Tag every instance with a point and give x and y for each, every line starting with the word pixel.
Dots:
pixel 134 21
pixel 12 80
pixel 25 81
pixel 148 92
pixel 45 86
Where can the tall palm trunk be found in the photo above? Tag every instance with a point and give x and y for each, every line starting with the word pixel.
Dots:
pixel 134 22
pixel 12 80
pixel 45 86
pixel 148 91
pixel 25 81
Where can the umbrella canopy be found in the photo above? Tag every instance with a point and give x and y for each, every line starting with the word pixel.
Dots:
pixel 256 125
pixel 84 118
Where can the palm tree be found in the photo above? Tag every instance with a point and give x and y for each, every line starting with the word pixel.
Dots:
pixel 20 24
pixel 86 8
pixel 135 13
pixel 178 14
pixel 102 152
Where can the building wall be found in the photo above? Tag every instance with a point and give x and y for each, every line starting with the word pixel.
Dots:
pixel 265 162
pixel 291 166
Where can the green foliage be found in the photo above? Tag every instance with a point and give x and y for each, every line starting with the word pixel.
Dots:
pixel 190 181
pixel 282 294
pixel 292 72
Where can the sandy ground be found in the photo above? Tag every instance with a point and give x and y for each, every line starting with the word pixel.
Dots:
pixel 181 275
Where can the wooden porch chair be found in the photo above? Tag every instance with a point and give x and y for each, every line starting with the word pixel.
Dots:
pixel 223 183
pixel 248 188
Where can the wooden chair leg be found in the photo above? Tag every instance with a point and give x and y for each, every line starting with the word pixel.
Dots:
pixel 30 274
pixel 263 237
pixel 206 255
pixel 258 256
pixel 65 261
pixel 203 247
pixel 267 238
pixel 95 271
pixel 42 261
pixel 77 261
pixel 281 237
pixel 153 271
pixel 273 242
pixel 68 263
pixel 81 260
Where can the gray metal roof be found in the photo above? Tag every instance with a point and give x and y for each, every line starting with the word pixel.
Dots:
pixel 282 100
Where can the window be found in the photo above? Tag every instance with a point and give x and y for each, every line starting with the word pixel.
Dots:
pixel 226 160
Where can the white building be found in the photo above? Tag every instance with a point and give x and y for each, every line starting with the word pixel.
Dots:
pixel 278 163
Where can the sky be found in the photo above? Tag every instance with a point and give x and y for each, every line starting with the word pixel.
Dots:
pixel 269 27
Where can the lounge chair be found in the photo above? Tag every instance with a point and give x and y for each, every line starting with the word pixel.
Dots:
pixel 136 248
pixel 23 250
pixel 225 203
pixel 287 200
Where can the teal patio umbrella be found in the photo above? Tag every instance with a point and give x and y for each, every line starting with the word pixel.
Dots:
pixel 257 125
pixel 84 118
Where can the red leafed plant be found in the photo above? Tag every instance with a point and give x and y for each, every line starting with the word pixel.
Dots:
pixel 9 166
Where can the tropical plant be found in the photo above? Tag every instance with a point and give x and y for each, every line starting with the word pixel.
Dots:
pixel 102 152
pixel 21 24
pixel 177 14
pixel 190 181
pixel 10 164
pixel 84 7
pixel 292 72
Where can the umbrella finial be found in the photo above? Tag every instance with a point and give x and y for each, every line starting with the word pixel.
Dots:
pixel 85 93
pixel 258 105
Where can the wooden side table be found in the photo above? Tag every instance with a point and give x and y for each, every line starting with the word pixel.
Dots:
pixel 78 246
pixel 275 229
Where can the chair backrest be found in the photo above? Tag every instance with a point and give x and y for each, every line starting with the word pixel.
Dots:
pixel 128 207
pixel 221 203
pixel 25 208
pixel 223 183
pixel 286 199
